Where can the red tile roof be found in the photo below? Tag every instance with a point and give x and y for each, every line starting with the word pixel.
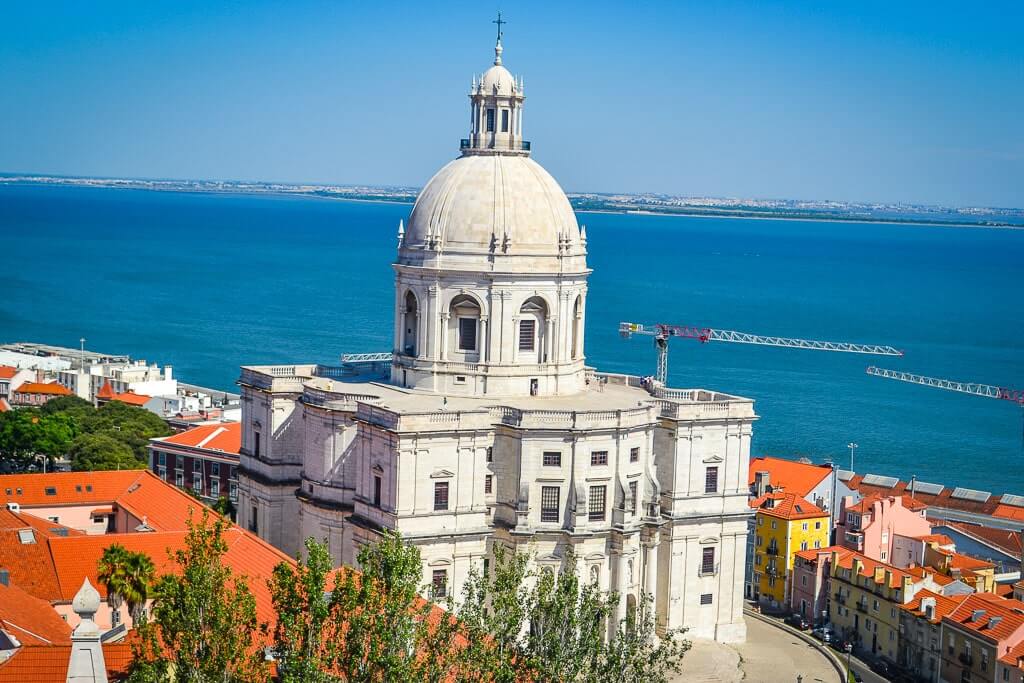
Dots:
pixel 944 604
pixel 941 539
pixel 788 506
pixel 993 506
pixel 31 620
pixel 1015 657
pixel 812 554
pixel 43 388
pixel 4 405
pixel 7 371
pixel 132 399
pixel 225 436
pixel 106 391
pixel 993 606
pixel 49 663
pixel 868 569
pixel 961 561
pixel 793 477
pixel 77 558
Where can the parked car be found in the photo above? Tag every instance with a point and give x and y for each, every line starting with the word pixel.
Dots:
pixel 824 634
pixel 882 668
pixel 797 621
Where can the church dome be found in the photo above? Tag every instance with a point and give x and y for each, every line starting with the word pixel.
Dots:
pixel 493 203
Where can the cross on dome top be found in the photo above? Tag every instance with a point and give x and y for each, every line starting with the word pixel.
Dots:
pixel 497 45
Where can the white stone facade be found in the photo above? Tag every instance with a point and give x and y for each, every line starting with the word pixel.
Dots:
pixel 491 429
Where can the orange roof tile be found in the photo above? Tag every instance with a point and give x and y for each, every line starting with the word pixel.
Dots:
pixel 31 620
pixel 788 506
pixel 225 436
pixel 77 558
pixel 793 477
pixel 864 504
pixel 1008 511
pixel 132 399
pixel 7 371
pixel 1007 541
pixel 812 554
pixel 4 405
pixel 70 488
pixel 868 566
pixel 43 388
pixel 966 562
pixel 49 663
pixel 1015 657
pixel 106 391
pixel 944 604
pixel 993 606
pixel 941 539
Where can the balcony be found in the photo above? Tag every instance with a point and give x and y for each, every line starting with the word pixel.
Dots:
pixel 771 550
pixel 966 659
pixel 840 598
pixel 862 607
pixel 522 145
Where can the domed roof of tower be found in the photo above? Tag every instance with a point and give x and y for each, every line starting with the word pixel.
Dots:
pixel 498 80
pixel 501 204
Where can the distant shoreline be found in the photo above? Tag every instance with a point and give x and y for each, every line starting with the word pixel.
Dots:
pixel 781 214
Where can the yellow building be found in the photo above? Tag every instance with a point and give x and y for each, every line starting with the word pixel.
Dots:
pixel 785 524
pixel 865 600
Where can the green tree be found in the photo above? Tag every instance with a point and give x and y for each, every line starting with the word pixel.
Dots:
pixel 90 452
pixel 128 577
pixel 539 625
pixel 75 407
pixel 224 506
pixel 204 626
pixel 28 434
pixel 390 633
pixel 301 637
pixel 131 425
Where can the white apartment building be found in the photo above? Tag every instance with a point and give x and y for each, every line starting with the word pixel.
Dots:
pixel 491 429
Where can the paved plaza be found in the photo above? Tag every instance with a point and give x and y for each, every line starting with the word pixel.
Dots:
pixel 770 655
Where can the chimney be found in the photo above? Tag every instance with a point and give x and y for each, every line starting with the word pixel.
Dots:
pixel 928 607
pixel 762 480
pixel 977 614
pixel 994 621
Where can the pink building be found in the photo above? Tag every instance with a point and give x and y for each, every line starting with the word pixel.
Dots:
pixel 809 582
pixel 871 525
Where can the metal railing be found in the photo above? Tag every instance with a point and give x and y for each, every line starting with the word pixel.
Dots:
pixel 966 659
pixel 862 607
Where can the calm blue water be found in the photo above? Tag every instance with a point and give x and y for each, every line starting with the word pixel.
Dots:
pixel 207 283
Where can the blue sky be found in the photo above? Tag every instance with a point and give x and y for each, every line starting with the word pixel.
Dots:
pixel 887 101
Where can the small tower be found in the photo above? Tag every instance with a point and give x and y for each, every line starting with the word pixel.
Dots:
pixel 86 664
pixel 496 110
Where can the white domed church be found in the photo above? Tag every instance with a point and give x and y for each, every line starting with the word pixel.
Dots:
pixel 491 428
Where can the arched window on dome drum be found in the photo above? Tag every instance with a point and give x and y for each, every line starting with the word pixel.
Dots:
pixel 464 326
pixel 410 324
pixel 577 322
pixel 531 335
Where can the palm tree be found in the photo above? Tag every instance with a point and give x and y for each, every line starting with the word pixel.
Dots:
pixel 127 576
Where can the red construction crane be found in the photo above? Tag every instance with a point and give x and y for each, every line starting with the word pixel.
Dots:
pixel 662 332
pixel 989 390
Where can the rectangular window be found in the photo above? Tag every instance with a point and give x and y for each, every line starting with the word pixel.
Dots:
pixel 817 525
pixel 803 545
pixel 179 479
pixel 707 561
pixel 256 445
pixel 549 503
pixel 488 483
pixel 215 488
pixel 490 454
pixel 197 482
pixel 51 491
pixel 599 458
pixel 490 120
pixel 376 490
pixel 596 503
pixel 803 527
pixel 634 454
pixel 705 598
pixel 552 459
pixel 467 334
pixel 161 458
pixel 632 496
pixel 504 120
pixel 439 581
pixel 254 525
pixel 215 469
pixel 197 465
pixel 233 491
pixel 527 328
pixel 711 480
pixel 441 495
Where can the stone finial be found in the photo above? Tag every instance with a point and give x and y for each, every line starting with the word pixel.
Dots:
pixel 401 232
pixel 87 601
pixel 498 49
